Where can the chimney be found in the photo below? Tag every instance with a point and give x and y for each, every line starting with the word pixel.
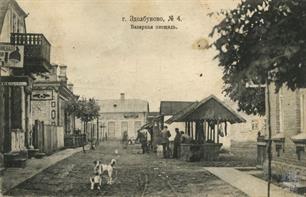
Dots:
pixel 122 96
pixel 63 75
pixel 53 72
pixel 70 87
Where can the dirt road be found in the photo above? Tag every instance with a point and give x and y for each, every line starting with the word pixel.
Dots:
pixel 135 175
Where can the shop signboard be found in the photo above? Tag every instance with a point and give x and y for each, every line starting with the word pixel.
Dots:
pixel 11 55
pixel 42 95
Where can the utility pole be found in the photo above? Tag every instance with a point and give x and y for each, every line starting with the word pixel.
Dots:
pixel 269 150
pixel 269 136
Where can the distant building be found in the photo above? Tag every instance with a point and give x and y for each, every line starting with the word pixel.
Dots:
pixel 119 115
pixel 288 125
pixel 247 131
pixel 168 109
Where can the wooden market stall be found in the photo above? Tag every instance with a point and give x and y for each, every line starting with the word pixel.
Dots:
pixel 206 121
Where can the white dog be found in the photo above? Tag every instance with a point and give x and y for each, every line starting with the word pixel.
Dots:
pixel 95 182
pixel 101 168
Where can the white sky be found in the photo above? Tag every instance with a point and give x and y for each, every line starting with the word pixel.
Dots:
pixel 105 57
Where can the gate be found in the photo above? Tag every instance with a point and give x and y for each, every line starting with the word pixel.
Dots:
pixel 261 151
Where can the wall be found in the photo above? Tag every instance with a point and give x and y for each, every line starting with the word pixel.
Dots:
pixel 41 110
pixel 118 118
pixel 1 119
pixel 18 139
pixel 287 116
pixel 8 26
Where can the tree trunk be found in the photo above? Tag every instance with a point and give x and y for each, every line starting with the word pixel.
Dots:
pixel 84 137
pixel 98 140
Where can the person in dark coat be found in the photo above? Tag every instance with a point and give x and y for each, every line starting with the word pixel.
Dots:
pixel 165 135
pixel 125 139
pixel 177 143
pixel 143 141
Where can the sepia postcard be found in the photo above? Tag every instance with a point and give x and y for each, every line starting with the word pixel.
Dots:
pixel 151 98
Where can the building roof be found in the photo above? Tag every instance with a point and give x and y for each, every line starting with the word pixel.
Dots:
pixel 123 105
pixel 153 114
pixel 4 5
pixel 210 108
pixel 3 9
pixel 172 107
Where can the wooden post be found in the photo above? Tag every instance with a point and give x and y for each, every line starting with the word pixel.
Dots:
pixel 98 140
pixel 208 132
pixel 196 133
pixel 188 128
pixel 214 133
pixel 7 119
pixel 191 126
pixel 204 130
pixel 185 127
pixel 199 130
pixel 269 136
pixel 218 133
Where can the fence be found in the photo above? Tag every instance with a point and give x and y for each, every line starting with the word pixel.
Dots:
pixel 47 138
pixel 75 140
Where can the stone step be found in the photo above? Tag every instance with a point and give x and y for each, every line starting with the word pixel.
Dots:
pixel 16 163
pixel 39 155
pixel 15 159
pixel 32 152
pixel 299 187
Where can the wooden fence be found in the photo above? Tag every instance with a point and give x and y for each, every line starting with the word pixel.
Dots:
pixel 47 138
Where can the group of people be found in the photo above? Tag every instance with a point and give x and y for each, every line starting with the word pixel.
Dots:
pixel 141 138
pixel 180 137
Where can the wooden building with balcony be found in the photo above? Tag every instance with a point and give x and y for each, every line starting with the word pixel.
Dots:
pixel 21 56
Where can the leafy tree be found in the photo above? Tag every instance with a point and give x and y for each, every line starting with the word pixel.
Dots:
pixel 85 110
pixel 71 106
pixel 261 41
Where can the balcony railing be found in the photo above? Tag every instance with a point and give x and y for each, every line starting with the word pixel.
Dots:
pixel 36 51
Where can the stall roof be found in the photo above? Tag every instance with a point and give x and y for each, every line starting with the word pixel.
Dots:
pixel 172 107
pixel 151 121
pixel 210 108
pixel 147 126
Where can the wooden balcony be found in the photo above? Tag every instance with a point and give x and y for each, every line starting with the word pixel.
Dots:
pixel 36 51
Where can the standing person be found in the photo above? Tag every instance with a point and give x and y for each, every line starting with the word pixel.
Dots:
pixel 165 141
pixel 125 139
pixel 142 139
pixel 185 139
pixel 177 143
